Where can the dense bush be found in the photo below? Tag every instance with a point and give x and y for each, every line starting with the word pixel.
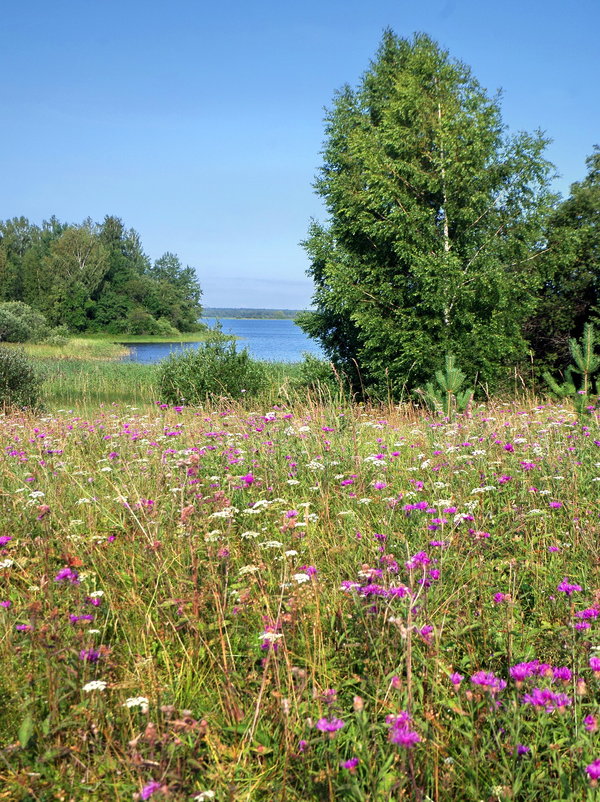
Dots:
pixel 315 373
pixel 58 336
pixel 31 325
pixel 216 368
pixel 12 328
pixel 19 381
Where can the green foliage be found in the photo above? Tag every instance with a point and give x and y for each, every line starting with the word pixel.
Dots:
pixel 570 294
pixel 215 368
pixel 95 277
pixel 586 365
pixel 447 398
pixel 434 217
pixel 20 323
pixel 19 381
pixel 315 372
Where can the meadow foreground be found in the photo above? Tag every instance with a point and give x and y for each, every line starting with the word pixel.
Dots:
pixel 304 603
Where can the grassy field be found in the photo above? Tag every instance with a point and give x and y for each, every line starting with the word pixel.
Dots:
pixel 299 602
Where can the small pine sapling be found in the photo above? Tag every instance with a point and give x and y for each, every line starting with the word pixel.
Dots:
pixel 447 398
pixel 586 364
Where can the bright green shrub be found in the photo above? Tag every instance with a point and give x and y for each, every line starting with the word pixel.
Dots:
pixel 215 368
pixel 19 381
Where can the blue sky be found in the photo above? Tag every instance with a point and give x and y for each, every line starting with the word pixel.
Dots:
pixel 200 124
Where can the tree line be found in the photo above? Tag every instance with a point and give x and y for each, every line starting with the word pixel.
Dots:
pixel 96 277
pixel 443 232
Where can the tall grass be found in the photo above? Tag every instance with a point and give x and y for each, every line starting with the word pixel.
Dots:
pixel 300 602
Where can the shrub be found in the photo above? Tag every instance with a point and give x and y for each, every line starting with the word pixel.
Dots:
pixel 59 336
pixel 32 325
pixel 139 321
pixel 214 368
pixel 315 373
pixel 19 381
pixel 165 328
pixel 12 328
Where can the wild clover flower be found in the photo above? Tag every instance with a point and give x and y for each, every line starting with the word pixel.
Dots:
pixel 67 575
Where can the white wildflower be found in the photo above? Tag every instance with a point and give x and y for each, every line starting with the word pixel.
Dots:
pixel 94 685
pixel 137 701
pixel 300 578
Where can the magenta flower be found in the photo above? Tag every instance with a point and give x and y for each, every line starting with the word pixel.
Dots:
pixel 568 587
pixel 248 479
pixel 400 731
pixel 89 655
pixel 593 770
pixel 350 764
pixel 330 725
pixel 456 679
pixel 67 575
pixel 590 723
pixel 4 539
pixel 595 664
pixel 489 681
pixel 546 699
pixel 149 789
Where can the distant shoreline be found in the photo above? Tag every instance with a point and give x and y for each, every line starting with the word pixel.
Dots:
pixel 249 313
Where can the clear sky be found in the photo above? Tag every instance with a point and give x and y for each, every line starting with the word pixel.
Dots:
pixel 200 123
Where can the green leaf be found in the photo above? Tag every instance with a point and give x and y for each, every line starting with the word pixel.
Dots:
pixel 26 730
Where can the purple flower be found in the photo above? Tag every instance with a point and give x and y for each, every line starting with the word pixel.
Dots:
pixel 248 479
pixel 5 539
pixel 501 597
pixel 331 725
pixel 522 750
pixel 590 723
pixel 489 681
pixel 556 505
pixel 568 587
pixel 400 731
pixel 350 764
pixel 5 604
pixel 149 789
pixel 546 699
pixel 456 679
pixel 593 770
pixel 595 663
pixel 562 673
pixel 67 574
pixel 89 655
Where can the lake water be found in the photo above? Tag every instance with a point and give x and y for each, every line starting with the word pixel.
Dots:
pixel 272 340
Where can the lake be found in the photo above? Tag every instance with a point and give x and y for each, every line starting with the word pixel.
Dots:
pixel 271 340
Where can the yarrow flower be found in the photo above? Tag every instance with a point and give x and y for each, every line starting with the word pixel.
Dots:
pixel 95 685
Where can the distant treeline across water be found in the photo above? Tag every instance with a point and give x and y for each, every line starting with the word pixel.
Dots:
pixel 250 314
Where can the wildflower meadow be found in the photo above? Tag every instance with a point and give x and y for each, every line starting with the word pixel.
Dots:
pixel 313 601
